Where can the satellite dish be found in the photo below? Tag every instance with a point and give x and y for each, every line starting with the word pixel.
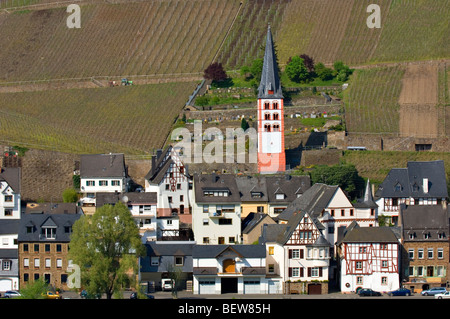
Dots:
pixel 125 199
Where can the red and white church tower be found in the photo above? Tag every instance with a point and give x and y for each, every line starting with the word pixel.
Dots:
pixel 271 154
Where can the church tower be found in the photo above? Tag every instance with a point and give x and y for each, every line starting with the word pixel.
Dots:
pixel 271 155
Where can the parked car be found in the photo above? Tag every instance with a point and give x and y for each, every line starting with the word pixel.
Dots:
pixel 433 291
pixel 166 284
pixel 400 292
pixel 445 295
pixel 368 292
pixel 134 295
pixel 52 295
pixel 11 294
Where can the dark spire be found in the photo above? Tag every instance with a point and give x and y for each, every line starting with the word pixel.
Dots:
pixel 270 85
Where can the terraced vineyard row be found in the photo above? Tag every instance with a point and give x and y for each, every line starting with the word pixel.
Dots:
pixel 133 120
pixel 371 101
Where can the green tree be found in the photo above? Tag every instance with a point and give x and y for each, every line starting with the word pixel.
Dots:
pixel 70 195
pixel 341 71
pixel 106 246
pixel 256 68
pixel 36 289
pixel 344 175
pixel 296 70
pixel 323 72
pixel 244 124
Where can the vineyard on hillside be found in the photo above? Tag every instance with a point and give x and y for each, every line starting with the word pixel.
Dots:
pixel 128 119
pixel 371 101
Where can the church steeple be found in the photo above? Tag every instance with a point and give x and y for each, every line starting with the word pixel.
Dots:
pixel 270 85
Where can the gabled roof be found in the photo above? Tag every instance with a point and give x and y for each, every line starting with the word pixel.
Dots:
pixel 129 198
pixel 11 175
pixel 313 201
pixel 270 80
pixel 424 217
pixel 161 162
pixel 102 165
pixel 52 208
pixel 155 248
pixel 249 185
pixel 244 251
pixel 216 182
pixel 418 180
pixel 42 220
pixel 290 186
pixel 357 234
pixel 253 220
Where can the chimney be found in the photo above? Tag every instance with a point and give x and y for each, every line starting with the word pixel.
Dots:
pixel 425 185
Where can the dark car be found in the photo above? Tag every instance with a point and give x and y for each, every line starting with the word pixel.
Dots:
pixel 368 292
pixel 400 292
pixel 134 295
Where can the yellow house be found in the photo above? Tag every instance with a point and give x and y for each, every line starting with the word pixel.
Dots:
pixel 253 193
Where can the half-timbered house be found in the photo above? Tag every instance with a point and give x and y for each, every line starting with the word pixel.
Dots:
pixel 369 257
pixel 298 253
pixel 170 180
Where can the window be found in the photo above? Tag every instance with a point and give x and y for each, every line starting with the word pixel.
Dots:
pixel 47 248
pixel 36 248
pixel 315 272
pixel 167 187
pixel 384 264
pixel 26 277
pixel 25 247
pixel 358 265
pixel 271 250
pixel 342 212
pixel 440 271
pixel 206 208
pixel 90 183
pixel 59 263
pixel 279 196
pixel 154 261
pixel 103 183
pixel 26 263
pixel 179 261
pixel 231 240
pixel 169 199
pixel 266 106
pixel 295 253
pixel 267 116
pixel 275 105
pixel 115 183
pixel 206 240
pixel 205 222
pixel 221 240
pixel 225 221
pixel 276 116
pixel 384 281
pixel 49 232
pixel 430 253
pixel 332 212
pixel 6 265
pixel 411 254
pixel 36 276
pixel 48 262
pixel 351 212
pixel 8 198
pixel 58 248
pixel 181 198
pixel 420 271
pixel 271 268
pixel 420 253
pixel 359 280
pixel 295 272
pixel 440 253
pixel 36 262
pixel 178 186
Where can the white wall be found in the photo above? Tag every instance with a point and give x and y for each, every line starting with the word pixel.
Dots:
pixel 5 190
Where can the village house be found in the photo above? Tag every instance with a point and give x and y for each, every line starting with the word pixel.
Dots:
pixel 10 182
pixel 101 173
pixel 170 180
pixel 43 243
pixel 164 260
pixel 298 255
pixel 216 210
pixel 220 269
pixel 420 183
pixel 425 240
pixel 142 207
pixel 9 259
pixel 369 257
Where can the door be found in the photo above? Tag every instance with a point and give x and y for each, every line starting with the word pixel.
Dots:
pixel 229 285
pixel 274 287
pixel 229 266
pixel 252 286
pixel 5 284
pixel 207 286
pixel 314 289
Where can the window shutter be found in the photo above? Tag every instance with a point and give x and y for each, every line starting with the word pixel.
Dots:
pixel 290 253
pixel 320 271
pixel 301 272
pixel 290 271
pixel 301 253
pixel 309 271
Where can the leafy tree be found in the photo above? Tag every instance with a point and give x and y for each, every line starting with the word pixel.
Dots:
pixel 342 71
pixel 34 290
pixel 344 175
pixel 215 72
pixel 106 245
pixel 323 72
pixel 256 68
pixel 70 195
pixel 296 70
pixel 202 100
pixel 309 62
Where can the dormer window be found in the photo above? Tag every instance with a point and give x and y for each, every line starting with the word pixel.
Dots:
pixel 49 232
pixel 279 196
pixel 256 194
pixel 398 187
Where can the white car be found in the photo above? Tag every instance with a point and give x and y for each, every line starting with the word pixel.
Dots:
pixel 445 295
pixel 11 294
pixel 166 284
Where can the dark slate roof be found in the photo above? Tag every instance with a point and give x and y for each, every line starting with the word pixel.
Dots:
pixel 421 218
pixel 313 201
pixel 52 208
pixel 369 235
pixel 270 232
pixel 102 165
pixel 213 251
pixel 410 181
pixel 9 253
pixel 102 199
pixel 38 220
pixel 270 80
pixel 249 185
pixel 290 186
pixel 253 220
pixel 212 182
pixel 9 226
pixel 168 248
pixel 367 201
pixel 11 175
